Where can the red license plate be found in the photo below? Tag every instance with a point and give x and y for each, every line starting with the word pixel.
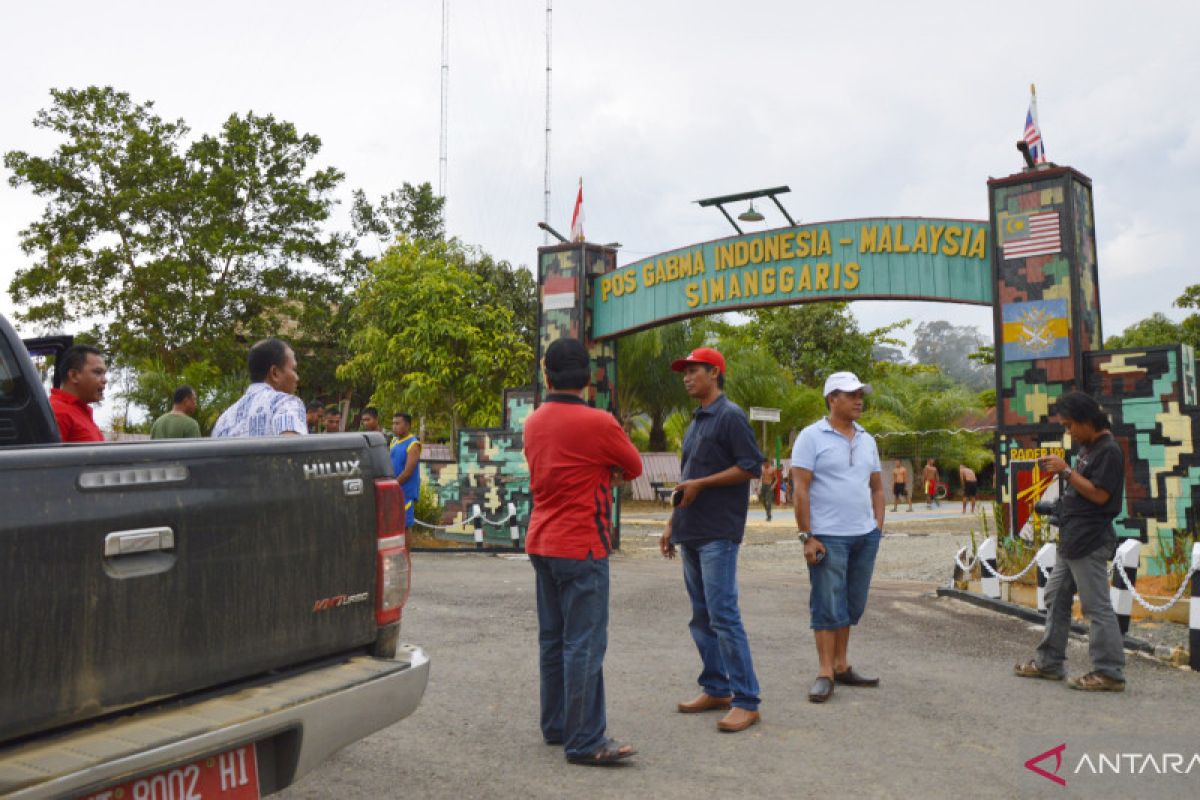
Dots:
pixel 232 775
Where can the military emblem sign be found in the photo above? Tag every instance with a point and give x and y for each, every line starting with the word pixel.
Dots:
pixel 1037 329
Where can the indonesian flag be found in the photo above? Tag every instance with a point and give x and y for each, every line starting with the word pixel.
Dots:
pixel 577 217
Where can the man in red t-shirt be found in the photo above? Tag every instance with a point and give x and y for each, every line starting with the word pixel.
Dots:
pixel 575 454
pixel 82 378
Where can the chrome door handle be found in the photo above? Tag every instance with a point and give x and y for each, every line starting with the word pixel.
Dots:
pixel 141 540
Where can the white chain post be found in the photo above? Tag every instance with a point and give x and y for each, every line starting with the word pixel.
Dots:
pixel 514 532
pixel 1121 594
pixel 987 557
pixel 477 512
pixel 1194 612
pixel 1045 559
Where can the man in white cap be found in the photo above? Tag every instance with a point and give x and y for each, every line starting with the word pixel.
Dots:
pixel 839 512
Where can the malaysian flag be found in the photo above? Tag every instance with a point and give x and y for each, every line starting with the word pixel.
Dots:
pixel 1033 132
pixel 1025 235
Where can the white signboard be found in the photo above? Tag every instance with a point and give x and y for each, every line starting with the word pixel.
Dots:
pixel 765 414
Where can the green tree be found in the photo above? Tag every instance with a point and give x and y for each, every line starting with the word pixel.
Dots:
pixel 916 416
pixel 1154 330
pixel 645 383
pixel 813 340
pixel 175 253
pixel 1191 323
pixel 428 336
pixel 411 211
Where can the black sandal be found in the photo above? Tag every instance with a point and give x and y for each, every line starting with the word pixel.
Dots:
pixel 609 753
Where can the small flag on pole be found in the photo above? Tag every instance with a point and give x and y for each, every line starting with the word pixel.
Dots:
pixel 577 217
pixel 1033 132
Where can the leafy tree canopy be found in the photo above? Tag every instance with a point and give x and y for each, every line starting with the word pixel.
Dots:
pixel 917 416
pixel 174 252
pixel 1154 330
pixel 429 338
pixel 645 383
pixel 813 340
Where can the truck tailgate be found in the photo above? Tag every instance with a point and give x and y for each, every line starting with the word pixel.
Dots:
pixel 155 569
pixel 295 721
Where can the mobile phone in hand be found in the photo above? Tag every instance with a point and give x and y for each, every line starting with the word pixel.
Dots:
pixel 676 498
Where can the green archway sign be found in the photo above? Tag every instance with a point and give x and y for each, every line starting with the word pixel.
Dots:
pixel 894 258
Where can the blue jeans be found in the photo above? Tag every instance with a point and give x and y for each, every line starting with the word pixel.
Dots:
pixel 710 573
pixel 572 606
pixel 841 580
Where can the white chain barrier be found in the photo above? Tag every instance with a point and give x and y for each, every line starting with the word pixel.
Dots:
pixel 1125 560
pixel 1008 578
pixel 479 519
pixel 966 568
pixel 1184 585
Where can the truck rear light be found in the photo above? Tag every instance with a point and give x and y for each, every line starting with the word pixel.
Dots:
pixel 393 570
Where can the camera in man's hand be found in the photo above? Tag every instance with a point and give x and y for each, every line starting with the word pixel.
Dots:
pixel 1050 510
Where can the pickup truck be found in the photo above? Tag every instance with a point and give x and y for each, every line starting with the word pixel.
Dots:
pixel 191 619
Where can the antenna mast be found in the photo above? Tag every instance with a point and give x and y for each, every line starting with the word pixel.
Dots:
pixel 442 148
pixel 546 187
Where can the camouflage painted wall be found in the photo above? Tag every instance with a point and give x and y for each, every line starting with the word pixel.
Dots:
pixel 490 471
pixel 565 275
pixel 1048 339
pixel 1046 291
pixel 1150 395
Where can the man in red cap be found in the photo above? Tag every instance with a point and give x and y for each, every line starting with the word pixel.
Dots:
pixel 720 456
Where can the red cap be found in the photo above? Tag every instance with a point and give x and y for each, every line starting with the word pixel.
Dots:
pixel 701 355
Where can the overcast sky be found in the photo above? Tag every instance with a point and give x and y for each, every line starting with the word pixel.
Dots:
pixel 864 109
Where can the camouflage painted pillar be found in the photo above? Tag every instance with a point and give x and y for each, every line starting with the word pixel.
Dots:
pixel 1047 315
pixel 565 274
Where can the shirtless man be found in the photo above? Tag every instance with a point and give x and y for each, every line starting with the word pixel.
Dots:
pixel 900 486
pixel 930 478
pixel 970 485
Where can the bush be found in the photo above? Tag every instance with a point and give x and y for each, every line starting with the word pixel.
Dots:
pixel 428 507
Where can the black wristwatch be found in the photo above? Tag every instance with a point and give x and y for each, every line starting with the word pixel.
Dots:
pixel 804 536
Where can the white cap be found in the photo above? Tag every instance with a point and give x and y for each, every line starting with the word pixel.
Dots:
pixel 845 382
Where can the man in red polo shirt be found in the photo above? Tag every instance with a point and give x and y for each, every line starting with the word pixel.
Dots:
pixel 83 376
pixel 574 453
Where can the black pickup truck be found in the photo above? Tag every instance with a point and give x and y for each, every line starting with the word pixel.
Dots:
pixel 191 619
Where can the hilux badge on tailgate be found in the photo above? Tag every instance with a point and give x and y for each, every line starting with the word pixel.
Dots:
pixel 332 469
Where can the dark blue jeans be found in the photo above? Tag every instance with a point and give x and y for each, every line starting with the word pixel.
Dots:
pixel 710 572
pixel 572 605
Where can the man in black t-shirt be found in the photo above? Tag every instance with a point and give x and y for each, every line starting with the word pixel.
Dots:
pixel 1091 499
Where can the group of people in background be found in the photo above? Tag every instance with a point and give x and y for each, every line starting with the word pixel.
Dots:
pixel 269 407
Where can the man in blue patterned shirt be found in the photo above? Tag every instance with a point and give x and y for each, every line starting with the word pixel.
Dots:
pixel 270 406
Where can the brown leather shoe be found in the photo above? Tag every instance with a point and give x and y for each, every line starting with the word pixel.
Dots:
pixel 738 719
pixel 704 702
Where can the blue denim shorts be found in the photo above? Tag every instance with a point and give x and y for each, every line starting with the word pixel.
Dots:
pixel 841 580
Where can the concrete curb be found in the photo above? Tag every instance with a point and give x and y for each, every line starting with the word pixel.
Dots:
pixel 1031 615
